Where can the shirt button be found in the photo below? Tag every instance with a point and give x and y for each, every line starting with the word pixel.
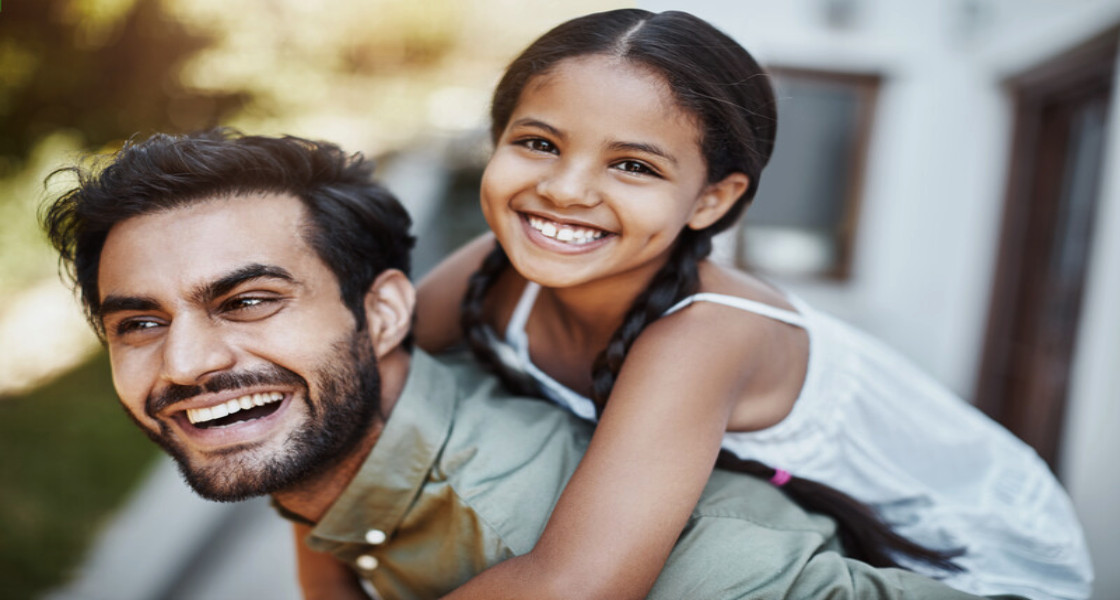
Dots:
pixel 375 536
pixel 366 562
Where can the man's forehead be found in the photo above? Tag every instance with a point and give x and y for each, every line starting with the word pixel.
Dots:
pixel 193 244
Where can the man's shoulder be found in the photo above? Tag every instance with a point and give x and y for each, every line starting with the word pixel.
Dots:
pixel 508 457
pixel 483 402
pixel 740 497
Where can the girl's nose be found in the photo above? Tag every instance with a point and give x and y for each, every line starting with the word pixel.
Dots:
pixel 568 185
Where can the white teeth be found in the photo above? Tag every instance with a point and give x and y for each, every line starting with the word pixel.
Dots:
pixel 210 413
pixel 569 234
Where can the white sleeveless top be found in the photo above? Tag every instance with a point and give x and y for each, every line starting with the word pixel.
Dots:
pixel 869 423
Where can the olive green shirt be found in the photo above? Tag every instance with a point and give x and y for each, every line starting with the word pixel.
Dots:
pixel 464 476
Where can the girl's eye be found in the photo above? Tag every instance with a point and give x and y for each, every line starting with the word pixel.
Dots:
pixel 636 167
pixel 539 145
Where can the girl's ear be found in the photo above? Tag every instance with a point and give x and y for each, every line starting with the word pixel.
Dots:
pixel 389 304
pixel 716 199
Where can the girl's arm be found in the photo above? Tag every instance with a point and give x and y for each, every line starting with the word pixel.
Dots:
pixel 648 462
pixel 440 293
pixel 321 576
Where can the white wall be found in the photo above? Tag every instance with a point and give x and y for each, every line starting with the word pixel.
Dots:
pixel 934 190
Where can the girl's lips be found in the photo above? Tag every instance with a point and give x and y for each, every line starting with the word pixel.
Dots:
pixel 560 237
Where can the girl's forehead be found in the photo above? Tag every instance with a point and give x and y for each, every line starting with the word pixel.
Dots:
pixel 604 66
pixel 608 80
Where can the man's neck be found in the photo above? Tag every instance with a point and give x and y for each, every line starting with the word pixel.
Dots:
pixel 312 497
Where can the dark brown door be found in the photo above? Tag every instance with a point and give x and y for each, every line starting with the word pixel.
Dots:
pixel 1061 122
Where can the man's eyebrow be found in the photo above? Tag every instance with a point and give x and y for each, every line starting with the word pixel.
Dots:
pixel 113 303
pixel 206 293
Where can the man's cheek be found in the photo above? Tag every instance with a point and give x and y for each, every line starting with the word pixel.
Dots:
pixel 132 386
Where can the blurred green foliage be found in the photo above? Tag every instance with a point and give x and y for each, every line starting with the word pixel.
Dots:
pixel 68 454
pixel 102 69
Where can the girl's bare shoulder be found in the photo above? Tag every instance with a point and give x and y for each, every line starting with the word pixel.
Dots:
pixel 761 360
pixel 737 331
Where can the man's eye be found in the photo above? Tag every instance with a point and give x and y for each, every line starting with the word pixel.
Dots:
pixel 245 304
pixel 250 307
pixel 131 326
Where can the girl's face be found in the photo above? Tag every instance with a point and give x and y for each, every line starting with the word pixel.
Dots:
pixel 596 173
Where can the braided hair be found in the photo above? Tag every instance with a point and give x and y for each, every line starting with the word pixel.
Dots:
pixel 714 78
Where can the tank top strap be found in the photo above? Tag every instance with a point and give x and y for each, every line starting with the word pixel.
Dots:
pixel 515 329
pixel 752 306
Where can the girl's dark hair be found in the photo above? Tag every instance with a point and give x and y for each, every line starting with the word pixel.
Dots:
pixel 717 81
pixel 355 225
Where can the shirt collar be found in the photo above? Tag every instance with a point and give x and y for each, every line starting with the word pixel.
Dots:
pixel 379 495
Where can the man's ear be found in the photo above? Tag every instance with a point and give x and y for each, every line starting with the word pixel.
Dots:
pixel 389 304
pixel 716 199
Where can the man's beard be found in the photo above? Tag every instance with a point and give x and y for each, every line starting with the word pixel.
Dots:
pixel 349 395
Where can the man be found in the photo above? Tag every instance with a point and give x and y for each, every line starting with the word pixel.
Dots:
pixel 253 295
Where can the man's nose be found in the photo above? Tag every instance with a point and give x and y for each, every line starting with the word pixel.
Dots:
pixel 569 184
pixel 194 348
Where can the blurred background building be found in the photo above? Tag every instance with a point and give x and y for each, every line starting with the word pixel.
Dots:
pixel 945 178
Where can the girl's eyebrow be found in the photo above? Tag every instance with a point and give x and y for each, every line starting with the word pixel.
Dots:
pixel 642 147
pixel 537 124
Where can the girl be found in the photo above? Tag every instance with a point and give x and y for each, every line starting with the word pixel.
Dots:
pixel 623 141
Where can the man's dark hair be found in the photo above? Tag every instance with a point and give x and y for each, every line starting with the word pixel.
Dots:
pixel 356 226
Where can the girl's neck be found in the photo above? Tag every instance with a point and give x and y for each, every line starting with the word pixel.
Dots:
pixel 594 310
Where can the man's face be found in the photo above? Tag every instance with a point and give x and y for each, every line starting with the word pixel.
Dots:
pixel 230 344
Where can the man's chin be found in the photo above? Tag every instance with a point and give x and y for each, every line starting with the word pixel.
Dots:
pixel 233 477
pixel 240 474
pixel 306 448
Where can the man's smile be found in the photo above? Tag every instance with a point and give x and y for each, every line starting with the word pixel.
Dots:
pixel 242 408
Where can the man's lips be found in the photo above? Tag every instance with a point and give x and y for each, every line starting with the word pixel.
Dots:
pixel 242 408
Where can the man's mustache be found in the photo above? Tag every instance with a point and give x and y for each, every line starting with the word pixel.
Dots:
pixel 221 382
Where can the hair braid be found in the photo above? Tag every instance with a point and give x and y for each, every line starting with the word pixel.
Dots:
pixel 678 277
pixel 863 534
pixel 478 334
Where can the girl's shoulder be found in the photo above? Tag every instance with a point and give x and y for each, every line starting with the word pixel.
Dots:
pixel 734 305
pixel 726 281
pixel 762 356
pixel 697 327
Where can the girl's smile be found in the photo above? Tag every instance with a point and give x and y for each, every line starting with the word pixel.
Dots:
pixel 596 174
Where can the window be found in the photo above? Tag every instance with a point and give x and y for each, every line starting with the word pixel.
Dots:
pixel 803 220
